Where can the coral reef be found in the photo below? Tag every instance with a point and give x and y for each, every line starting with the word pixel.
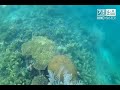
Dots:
pixel 39 80
pixel 67 80
pixel 38 33
pixel 85 62
pixel 82 51
pixel 41 49
pixel 59 64
pixel 12 69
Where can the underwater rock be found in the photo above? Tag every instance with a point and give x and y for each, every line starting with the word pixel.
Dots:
pixel 39 80
pixel 41 49
pixel 60 64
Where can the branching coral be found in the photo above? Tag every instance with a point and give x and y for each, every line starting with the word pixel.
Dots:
pixel 12 69
pixel 67 79
pixel 86 65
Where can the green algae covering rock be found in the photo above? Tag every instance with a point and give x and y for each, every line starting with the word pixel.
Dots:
pixel 39 80
pixel 41 49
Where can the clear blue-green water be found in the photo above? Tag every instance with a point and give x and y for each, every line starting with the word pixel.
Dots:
pixel 92 45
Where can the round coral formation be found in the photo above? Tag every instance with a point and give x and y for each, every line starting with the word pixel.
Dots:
pixel 60 64
pixel 39 80
pixel 41 49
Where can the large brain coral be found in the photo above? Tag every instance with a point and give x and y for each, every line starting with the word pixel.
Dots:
pixel 60 64
pixel 41 49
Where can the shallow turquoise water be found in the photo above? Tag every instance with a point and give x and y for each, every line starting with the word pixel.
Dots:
pixel 24 22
